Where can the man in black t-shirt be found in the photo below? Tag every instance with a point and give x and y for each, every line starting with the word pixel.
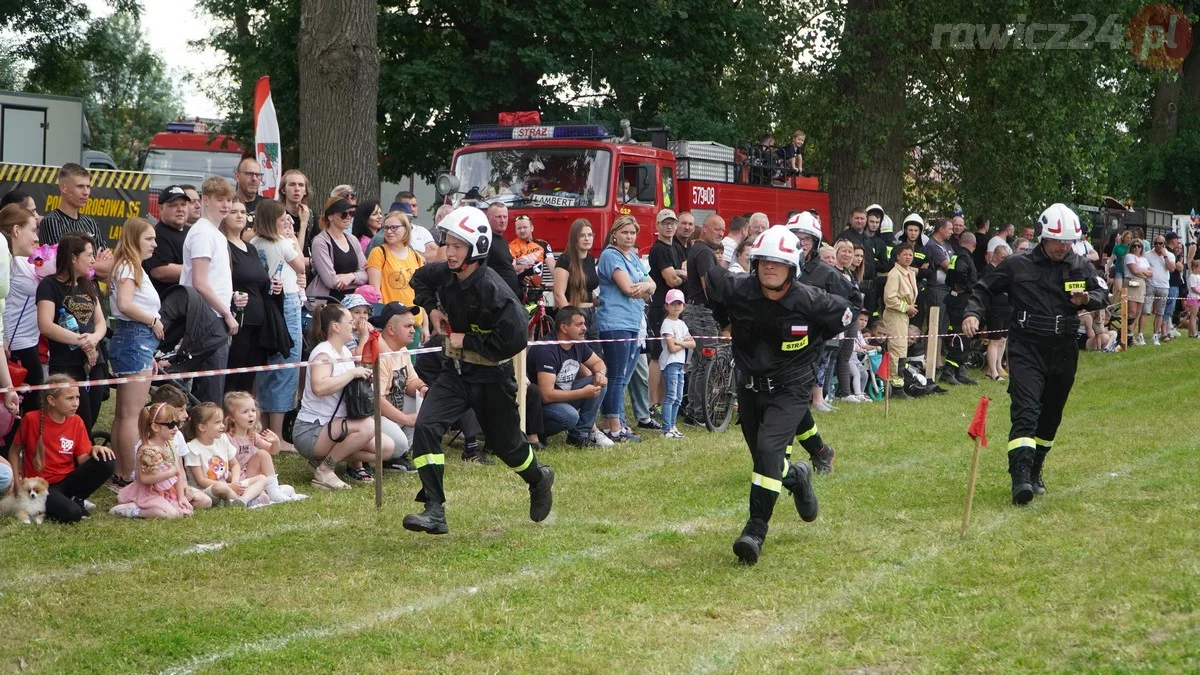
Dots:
pixel 499 257
pixel 249 177
pixel 666 269
pixel 165 266
pixel 569 402
pixel 702 257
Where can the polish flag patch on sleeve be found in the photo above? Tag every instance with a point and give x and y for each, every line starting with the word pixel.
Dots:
pixel 798 330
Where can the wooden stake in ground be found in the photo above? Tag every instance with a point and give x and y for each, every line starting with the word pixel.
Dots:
pixel 931 346
pixel 519 371
pixel 378 435
pixel 977 431
pixel 885 371
pixel 1124 318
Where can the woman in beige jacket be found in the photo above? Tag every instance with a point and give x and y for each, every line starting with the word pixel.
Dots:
pixel 899 305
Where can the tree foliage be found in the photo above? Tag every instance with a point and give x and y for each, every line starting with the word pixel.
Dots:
pixel 127 93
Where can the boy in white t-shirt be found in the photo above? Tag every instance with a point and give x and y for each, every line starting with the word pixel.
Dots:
pixel 677 340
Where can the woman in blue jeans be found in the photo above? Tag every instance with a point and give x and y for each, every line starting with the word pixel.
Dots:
pixel 278 247
pixel 624 287
pixel 137 331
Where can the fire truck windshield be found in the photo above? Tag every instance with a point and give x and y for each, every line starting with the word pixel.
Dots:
pixel 553 177
pixel 188 166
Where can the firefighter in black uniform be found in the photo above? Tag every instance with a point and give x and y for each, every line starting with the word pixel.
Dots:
pixel 486 327
pixel 774 322
pixel 815 273
pixel 1047 288
pixel 961 278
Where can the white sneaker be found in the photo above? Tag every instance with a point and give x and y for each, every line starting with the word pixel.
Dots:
pixel 601 439
pixel 89 505
pixel 1154 340
pixel 1139 340
pixel 863 398
pixel 1175 333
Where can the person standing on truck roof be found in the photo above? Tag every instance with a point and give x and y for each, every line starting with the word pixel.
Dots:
pixel 75 187
pixel 249 177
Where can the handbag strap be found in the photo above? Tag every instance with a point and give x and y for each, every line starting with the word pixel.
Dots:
pixel 21 315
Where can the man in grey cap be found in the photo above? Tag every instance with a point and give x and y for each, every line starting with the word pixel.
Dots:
pixel 165 266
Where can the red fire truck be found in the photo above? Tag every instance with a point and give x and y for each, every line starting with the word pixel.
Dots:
pixel 559 172
pixel 187 153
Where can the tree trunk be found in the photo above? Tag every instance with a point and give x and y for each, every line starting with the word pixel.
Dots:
pixel 867 154
pixel 339 86
pixel 1164 125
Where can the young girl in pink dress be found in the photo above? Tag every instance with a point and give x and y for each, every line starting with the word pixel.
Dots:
pixel 159 488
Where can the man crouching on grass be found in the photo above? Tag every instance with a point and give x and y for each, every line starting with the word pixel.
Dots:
pixel 486 327
pixel 777 327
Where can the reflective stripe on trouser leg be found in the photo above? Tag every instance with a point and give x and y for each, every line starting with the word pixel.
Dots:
pixel 1043 443
pixel 765 482
pixel 528 461
pixel 429 460
pixel 807 434
pixel 1023 442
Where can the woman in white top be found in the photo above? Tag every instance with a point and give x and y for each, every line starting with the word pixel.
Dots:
pixel 1137 275
pixel 137 330
pixel 19 226
pixel 279 248
pixel 322 416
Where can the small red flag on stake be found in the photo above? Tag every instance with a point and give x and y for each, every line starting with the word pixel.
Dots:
pixel 885 365
pixel 370 352
pixel 978 428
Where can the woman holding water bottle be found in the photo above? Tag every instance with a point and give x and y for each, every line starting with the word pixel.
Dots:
pixel 251 284
pixel 69 315
pixel 279 247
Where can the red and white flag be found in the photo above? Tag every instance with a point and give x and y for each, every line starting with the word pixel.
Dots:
pixel 266 138
pixel 798 330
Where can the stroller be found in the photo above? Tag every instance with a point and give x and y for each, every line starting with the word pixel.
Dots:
pixel 191 331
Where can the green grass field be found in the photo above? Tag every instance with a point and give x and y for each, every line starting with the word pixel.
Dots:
pixel 634 569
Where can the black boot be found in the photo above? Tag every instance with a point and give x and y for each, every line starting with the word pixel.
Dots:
pixel 822 461
pixel 947 376
pixel 432 520
pixel 541 499
pixel 1035 474
pixel 964 376
pixel 798 481
pixel 749 544
pixel 1020 461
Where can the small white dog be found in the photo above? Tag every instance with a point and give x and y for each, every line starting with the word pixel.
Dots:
pixel 29 503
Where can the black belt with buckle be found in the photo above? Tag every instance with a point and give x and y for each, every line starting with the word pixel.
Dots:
pixel 770 385
pixel 1052 326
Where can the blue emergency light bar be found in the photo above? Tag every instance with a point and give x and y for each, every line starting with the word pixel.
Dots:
pixel 491 133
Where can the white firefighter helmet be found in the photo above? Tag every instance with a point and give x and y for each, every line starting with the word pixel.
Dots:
pixel 805 223
pixel 1060 223
pixel 913 218
pixel 777 244
pixel 876 207
pixel 885 225
pixel 470 225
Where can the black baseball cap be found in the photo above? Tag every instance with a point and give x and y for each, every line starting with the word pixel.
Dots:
pixel 171 193
pixel 391 310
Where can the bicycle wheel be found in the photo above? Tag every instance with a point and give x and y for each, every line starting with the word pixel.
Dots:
pixel 718 391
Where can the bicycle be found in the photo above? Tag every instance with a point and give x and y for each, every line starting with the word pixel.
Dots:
pixel 719 399
pixel 541 325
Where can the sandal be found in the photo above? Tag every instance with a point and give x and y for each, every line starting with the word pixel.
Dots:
pixel 359 474
pixel 328 480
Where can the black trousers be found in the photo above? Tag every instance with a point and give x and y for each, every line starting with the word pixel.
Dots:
pixel 61 506
pixel 90 397
pixel 495 406
pixel 245 352
pixel 769 422
pixel 956 345
pixel 1041 373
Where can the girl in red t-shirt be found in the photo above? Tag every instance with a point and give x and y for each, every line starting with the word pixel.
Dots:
pixel 56 447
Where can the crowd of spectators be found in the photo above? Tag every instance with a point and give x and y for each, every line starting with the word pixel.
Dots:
pixel 626 327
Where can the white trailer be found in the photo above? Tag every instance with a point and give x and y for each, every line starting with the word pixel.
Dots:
pixel 46 130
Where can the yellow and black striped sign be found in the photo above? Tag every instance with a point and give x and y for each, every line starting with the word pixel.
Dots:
pixel 116 195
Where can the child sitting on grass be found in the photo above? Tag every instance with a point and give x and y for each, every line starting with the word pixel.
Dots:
pixel 159 487
pixel 255 447
pixel 212 461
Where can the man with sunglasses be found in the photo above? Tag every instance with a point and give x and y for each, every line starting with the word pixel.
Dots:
pixel 1162 264
pixel 1047 288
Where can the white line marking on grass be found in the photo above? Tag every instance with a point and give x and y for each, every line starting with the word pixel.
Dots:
pixel 859 585
pixel 434 602
pixel 90 569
